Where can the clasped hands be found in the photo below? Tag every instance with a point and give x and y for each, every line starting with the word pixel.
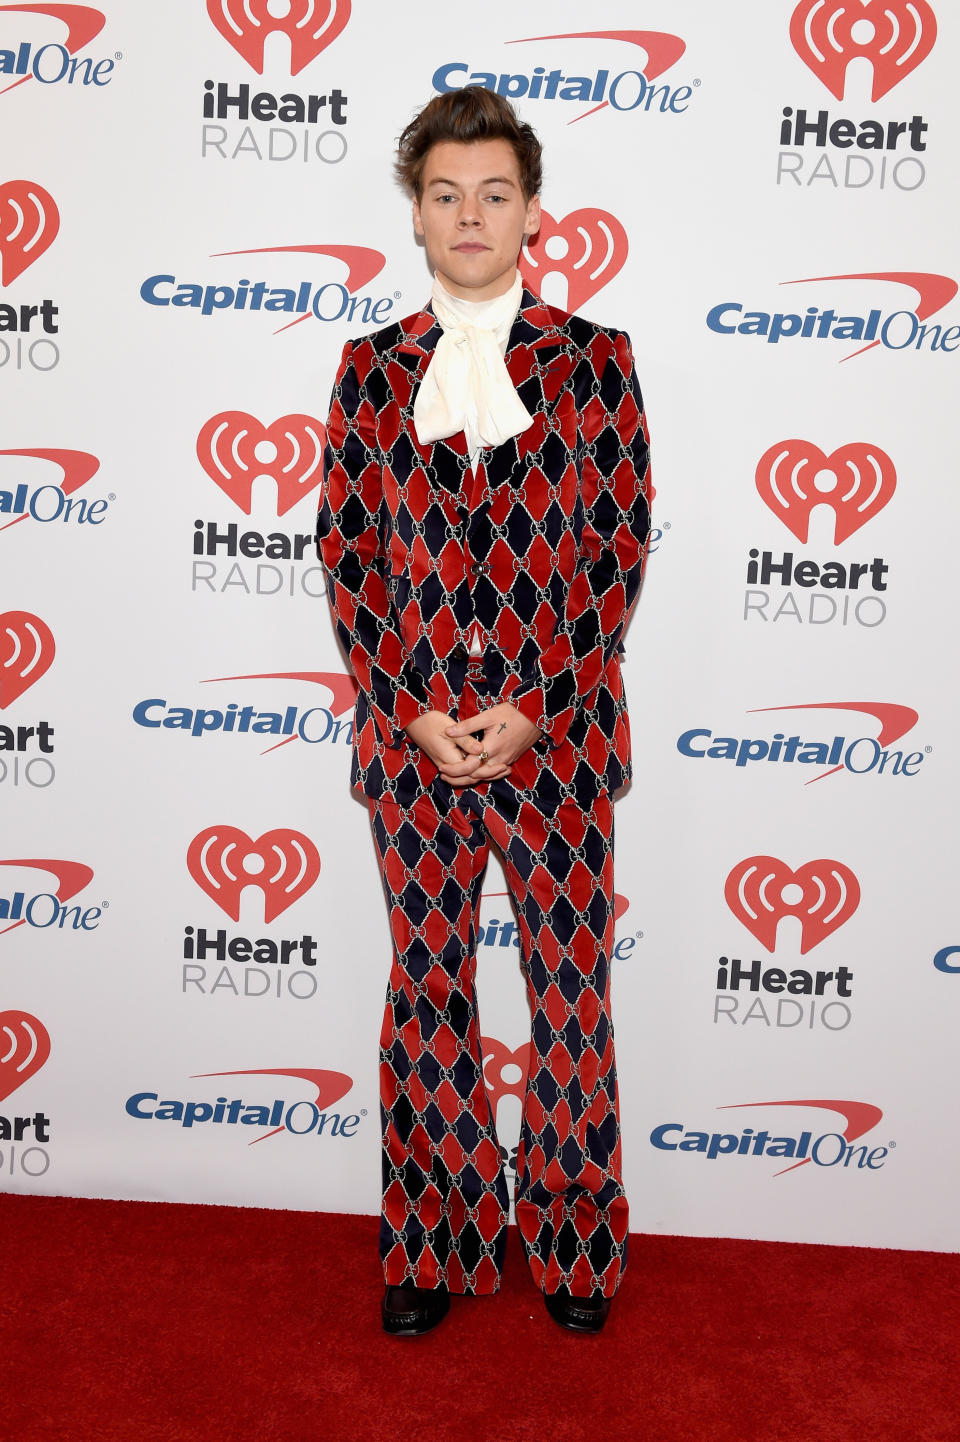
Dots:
pixel 480 748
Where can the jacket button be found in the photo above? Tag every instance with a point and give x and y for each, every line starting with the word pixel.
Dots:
pixel 460 653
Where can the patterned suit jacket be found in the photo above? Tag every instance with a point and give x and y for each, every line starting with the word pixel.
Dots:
pixel 543 548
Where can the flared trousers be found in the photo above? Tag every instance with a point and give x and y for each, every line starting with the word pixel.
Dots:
pixel 445 1198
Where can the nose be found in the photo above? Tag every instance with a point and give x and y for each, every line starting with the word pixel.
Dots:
pixel 469 214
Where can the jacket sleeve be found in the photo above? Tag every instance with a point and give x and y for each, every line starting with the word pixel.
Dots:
pixel 616 525
pixel 350 544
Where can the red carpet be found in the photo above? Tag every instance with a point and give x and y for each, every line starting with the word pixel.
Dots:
pixel 145 1322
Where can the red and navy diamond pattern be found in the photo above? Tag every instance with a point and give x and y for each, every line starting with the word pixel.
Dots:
pixel 542 547
pixel 445 1199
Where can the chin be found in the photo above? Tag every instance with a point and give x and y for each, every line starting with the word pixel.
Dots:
pixel 468 282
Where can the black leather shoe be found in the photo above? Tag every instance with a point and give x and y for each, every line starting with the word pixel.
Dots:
pixel 411 1311
pixel 579 1314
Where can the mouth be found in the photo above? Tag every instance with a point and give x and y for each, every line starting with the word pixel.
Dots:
pixel 470 247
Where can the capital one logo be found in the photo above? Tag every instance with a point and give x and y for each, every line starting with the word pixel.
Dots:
pixel 283 864
pixel 630 90
pixel 29 222
pixel 330 301
pixel 303 1118
pixel 24 1047
pixel 894 35
pixel 587 248
pixel 71 877
pixel 762 890
pixel 310 26
pixel 82 22
pixel 312 724
pixel 903 329
pixel 49 502
pixel 855 481
pixel 27 650
pixel 234 449
pixel 830 1149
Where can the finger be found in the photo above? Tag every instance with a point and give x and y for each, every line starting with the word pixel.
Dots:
pixel 470 745
pixel 462 774
pixel 493 771
pixel 466 749
pixel 468 725
pixel 472 769
pixel 461 783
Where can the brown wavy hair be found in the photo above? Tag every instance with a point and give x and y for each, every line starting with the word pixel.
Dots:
pixel 466 115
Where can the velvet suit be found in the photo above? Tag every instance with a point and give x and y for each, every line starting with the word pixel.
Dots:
pixel 542 545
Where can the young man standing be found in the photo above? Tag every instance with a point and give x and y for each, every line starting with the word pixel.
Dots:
pixel 483 524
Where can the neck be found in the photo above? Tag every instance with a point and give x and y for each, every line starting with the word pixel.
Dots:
pixel 500 287
pixel 491 312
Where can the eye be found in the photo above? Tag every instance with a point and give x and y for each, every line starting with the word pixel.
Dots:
pixel 498 199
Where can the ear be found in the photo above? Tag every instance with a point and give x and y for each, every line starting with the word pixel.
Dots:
pixel 417 219
pixel 531 223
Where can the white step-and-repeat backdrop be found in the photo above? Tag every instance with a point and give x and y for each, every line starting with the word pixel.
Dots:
pixel 196 211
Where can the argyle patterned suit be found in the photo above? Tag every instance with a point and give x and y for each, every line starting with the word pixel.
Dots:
pixel 542 546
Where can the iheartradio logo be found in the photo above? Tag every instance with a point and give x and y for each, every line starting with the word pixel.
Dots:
pixel 310 26
pixel 27 650
pixel 762 890
pixel 504 1071
pixel 224 861
pixel 235 449
pixel 29 222
pixel 856 481
pixel 24 1047
pixel 894 35
pixel 587 248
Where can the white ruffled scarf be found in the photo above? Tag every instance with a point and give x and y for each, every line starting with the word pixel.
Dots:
pixel 467 386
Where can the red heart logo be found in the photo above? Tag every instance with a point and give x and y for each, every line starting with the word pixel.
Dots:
pixel 496 1058
pixel 29 221
pixel 24 1047
pixel 311 26
pixel 588 248
pixel 856 481
pixel 234 449
pixel 27 650
pixel 894 35
pixel 761 890
pixel 224 860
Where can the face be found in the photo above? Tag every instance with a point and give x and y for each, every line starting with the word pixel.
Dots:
pixel 473 216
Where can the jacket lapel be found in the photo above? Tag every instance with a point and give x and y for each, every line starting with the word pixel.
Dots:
pixel 420 335
pixel 538 361
pixel 446 459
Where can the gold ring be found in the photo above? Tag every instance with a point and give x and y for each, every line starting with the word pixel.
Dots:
pixel 484 757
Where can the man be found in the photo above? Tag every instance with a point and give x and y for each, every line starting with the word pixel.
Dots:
pixel 483 524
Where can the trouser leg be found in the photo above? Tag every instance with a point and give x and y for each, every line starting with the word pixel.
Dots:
pixel 570 1203
pixel 445 1198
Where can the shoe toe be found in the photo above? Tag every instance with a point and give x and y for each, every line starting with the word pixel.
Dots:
pixel 412 1311
pixel 577 1314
